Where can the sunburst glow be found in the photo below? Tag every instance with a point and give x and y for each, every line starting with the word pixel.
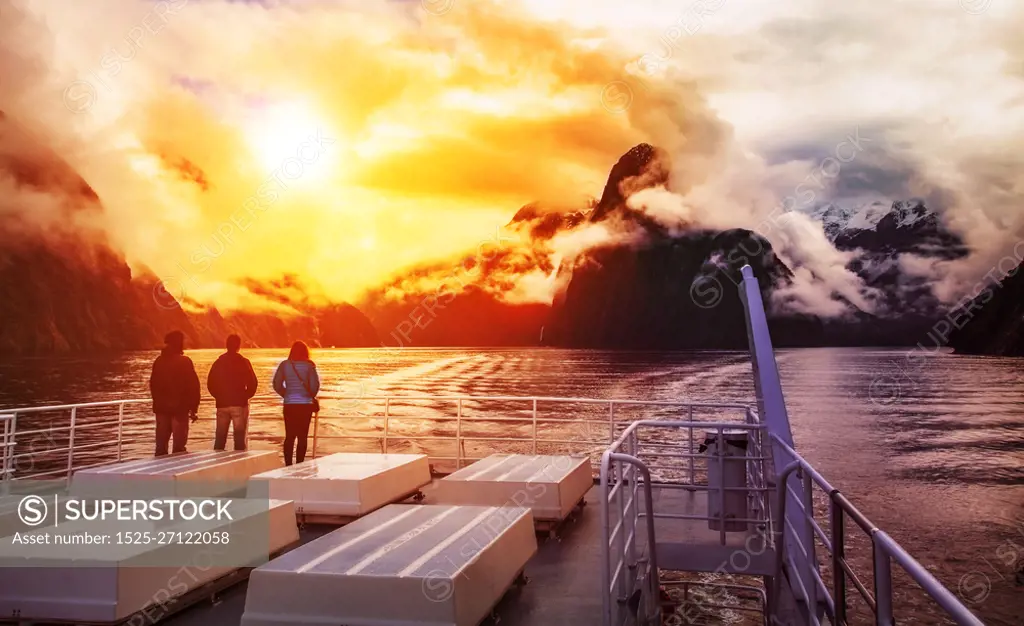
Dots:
pixel 290 130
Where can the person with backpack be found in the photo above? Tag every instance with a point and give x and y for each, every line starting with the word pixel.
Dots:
pixel 174 387
pixel 296 380
pixel 232 382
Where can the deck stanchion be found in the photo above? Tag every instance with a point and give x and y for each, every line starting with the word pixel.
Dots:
pixel 458 437
pixel 12 458
pixel 883 585
pixel 71 442
pixel 606 553
pixel 812 587
pixel 535 425
pixel 838 557
pixel 316 432
pixel 611 422
pixel 693 475
pixel 721 485
pixel 624 583
pixel 387 419
pixel 120 430
pixel 5 466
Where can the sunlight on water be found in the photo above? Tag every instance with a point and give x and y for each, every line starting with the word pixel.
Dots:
pixel 933 453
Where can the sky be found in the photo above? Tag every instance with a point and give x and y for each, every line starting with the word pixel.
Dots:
pixel 346 142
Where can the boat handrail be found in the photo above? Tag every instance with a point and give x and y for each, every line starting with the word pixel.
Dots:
pixel 885 550
pixel 382 431
pixel 619 579
pixel 6 446
pixel 622 568
pixel 400 397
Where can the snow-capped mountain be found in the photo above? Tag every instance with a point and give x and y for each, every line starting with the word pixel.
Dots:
pixel 885 240
pixel 902 227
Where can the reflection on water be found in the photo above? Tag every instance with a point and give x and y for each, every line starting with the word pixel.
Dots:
pixel 937 459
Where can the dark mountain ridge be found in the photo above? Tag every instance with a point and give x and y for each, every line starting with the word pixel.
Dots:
pixel 65 288
pixel 993 324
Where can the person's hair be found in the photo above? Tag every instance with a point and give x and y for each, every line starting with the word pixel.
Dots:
pixel 299 352
pixel 175 340
pixel 234 343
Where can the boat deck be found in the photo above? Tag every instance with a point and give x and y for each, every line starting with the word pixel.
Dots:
pixel 564 577
pixel 564 581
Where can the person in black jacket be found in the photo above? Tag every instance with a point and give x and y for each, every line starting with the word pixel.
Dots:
pixel 174 387
pixel 232 382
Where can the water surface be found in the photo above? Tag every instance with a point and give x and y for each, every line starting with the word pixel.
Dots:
pixel 931 448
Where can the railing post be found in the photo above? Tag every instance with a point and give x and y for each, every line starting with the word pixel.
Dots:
pixel 606 552
pixel 11 461
pixel 458 437
pixel 535 426
pixel 812 587
pixel 387 419
pixel 71 442
pixel 120 429
pixel 625 585
pixel 721 484
pixel 693 473
pixel 316 432
pixel 5 465
pixel 611 422
pixel 883 585
pixel 838 558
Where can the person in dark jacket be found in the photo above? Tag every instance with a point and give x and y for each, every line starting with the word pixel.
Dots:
pixel 297 381
pixel 174 387
pixel 232 382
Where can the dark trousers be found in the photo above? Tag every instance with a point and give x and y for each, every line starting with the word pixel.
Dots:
pixel 236 417
pixel 168 425
pixel 297 418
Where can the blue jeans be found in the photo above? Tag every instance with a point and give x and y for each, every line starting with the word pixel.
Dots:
pixel 236 417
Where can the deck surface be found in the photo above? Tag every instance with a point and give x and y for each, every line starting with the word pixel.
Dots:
pixel 564 575
pixel 564 578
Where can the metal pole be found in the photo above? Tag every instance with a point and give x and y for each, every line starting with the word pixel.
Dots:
pixel 387 419
pixel 611 422
pixel 606 550
pixel 120 429
pixel 71 442
pixel 721 483
pixel 13 462
pixel 649 504
pixel 812 588
pixel 5 470
pixel 838 557
pixel 625 585
pixel 629 527
pixel 693 473
pixel 458 438
pixel 883 586
pixel 316 431
pixel 535 426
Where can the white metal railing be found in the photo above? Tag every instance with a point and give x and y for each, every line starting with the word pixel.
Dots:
pixel 885 551
pixel 626 472
pixel 6 445
pixel 64 441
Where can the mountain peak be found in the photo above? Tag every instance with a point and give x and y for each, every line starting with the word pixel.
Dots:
pixel 641 167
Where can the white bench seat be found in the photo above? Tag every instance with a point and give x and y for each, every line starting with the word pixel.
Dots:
pixel 551 486
pixel 429 565
pixel 345 484
pixel 112 582
pixel 188 474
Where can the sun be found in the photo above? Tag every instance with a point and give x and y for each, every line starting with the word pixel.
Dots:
pixel 292 138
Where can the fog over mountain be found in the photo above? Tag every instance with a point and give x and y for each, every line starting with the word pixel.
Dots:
pixel 510 218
